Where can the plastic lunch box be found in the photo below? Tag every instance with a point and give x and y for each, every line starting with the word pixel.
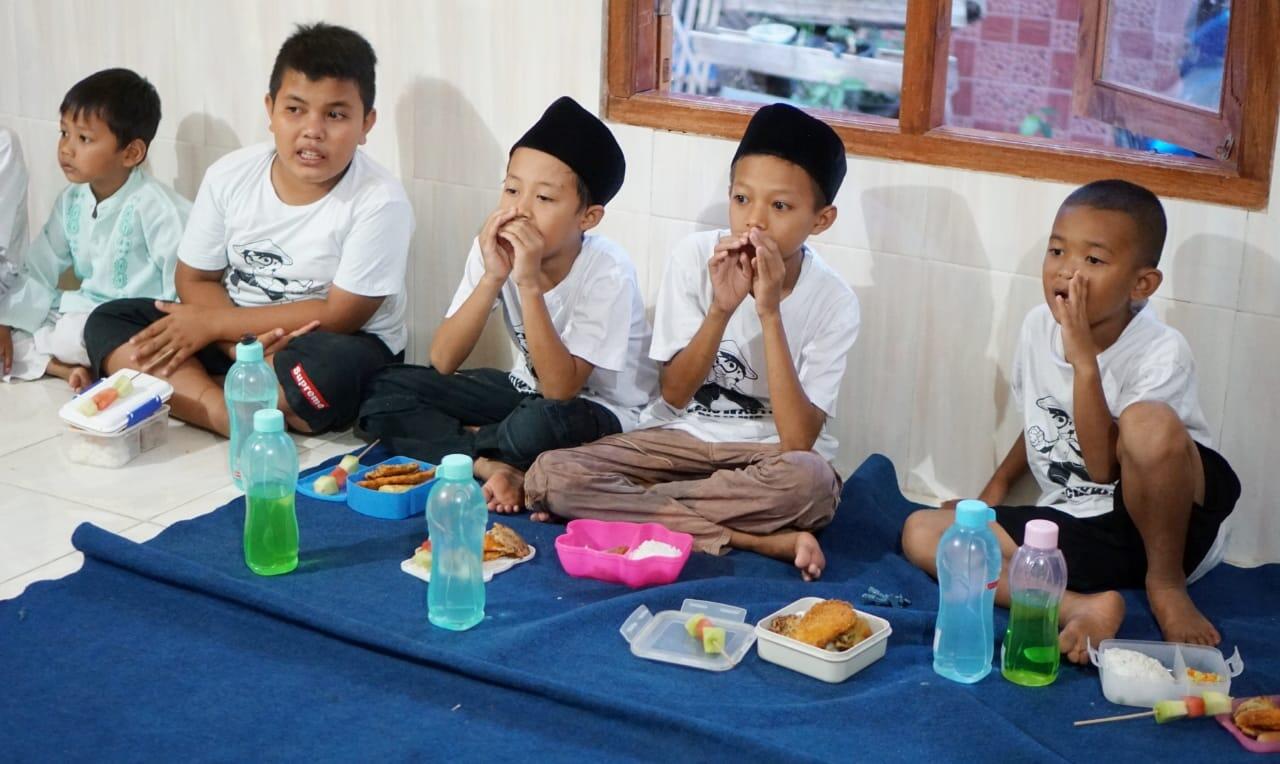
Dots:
pixel 581 552
pixel 1177 657
pixel 116 449
pixel 827 665
pixel 663 637
pixel 389 506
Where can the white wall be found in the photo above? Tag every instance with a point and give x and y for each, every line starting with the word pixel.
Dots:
pixel 945 262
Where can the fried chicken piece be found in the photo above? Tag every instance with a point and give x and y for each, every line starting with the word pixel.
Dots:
pixel 1257 717
pixel 416 477
pixel 387 470
pixel 823 623
pixel 783 624
pixel 861 630
pixel 501 541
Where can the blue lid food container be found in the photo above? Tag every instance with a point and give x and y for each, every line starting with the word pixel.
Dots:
pixel 389 506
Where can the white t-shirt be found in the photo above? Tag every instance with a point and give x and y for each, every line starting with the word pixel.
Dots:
pixel 598 312
pixel 356 237
pixel 820 318
pixel 1150 361
pixel 13 211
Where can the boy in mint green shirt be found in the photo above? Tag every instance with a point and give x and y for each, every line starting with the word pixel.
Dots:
pixel 115 225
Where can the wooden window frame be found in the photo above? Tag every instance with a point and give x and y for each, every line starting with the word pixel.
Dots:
pixel 637 80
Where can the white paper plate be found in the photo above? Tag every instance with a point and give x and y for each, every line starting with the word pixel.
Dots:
pixel 490 568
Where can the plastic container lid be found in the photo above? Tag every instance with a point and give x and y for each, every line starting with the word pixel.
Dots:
pixel 248 350
pixel 972 513
pixel 1041 534
pixel 456 467
pixel 268 420
pixel 663 637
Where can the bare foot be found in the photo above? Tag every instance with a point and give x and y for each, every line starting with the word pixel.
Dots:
pixel 1179 619
pixel 798 547
pixel 504 490
pixel 78 378
pixel 1088 619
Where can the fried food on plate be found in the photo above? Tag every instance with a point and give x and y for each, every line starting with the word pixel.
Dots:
pixel 1258 718
pixel 413 475
pixel 499 541
pixel 388 470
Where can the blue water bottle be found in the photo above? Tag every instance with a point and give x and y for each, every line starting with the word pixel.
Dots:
pixel 270 462
pixel 250 386
pixel 456 516
pixel 968 569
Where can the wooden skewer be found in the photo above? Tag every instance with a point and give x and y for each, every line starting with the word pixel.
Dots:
pixel 367 449
pixel 1120 718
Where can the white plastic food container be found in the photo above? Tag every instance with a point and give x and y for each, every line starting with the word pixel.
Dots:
pixel 827 665
pixel 1177 657
pixel 116 449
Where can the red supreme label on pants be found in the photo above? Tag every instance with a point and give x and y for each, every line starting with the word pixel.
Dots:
pixel 308 388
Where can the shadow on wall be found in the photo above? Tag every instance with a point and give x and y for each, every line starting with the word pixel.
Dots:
pixel 427 113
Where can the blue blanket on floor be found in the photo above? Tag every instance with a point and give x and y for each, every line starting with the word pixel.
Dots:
pixel 173 649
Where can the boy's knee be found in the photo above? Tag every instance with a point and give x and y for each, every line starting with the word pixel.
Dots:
pixel 1150 433
pixel 540 425
pixel 920 535
pixel 808 475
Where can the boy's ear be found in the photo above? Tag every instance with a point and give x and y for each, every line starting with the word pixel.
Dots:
pixel 826 216
pixel 591 217
pixel 269 102
pixel 134 153
pixel 369 118
pixel 1149 280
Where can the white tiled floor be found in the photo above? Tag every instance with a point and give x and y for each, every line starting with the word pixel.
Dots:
pixel 43 496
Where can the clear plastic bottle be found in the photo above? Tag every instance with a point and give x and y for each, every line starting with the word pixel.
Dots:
pixel 270 462
pixel 968 569
pixel 456 516
pixel 250 386
pixel 1037 580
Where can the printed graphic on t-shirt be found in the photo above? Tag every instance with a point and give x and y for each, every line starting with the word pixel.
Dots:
pixel 1065 460
pixel 722 396
pixel 262 258
pixel 517 381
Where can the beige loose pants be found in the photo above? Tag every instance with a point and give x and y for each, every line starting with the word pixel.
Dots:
pixel 686 484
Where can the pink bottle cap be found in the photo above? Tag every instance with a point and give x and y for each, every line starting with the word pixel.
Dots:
pixel 1041 534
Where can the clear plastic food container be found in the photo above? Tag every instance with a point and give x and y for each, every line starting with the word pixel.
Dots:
pixel 1176 658
pixel 116 449
pixel 828 665
pixel 663 637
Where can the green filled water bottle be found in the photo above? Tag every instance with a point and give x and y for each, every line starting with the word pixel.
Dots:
pixel 270 464
pixel 1037 580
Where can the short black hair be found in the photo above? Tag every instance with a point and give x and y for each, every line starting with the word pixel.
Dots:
pixel 326 50
pixel 1142 207
pixel 120 97
pixel 584 193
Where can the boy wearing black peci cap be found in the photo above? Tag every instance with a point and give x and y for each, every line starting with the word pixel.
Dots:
pixel 752 330
pixel 572 305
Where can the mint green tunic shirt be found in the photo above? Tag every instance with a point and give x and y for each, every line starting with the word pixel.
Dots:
pixel 123 246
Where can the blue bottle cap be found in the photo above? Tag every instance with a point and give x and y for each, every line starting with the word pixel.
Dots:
pixel 456 467
pixel 268 420
pixel 248 350
pixel 972 513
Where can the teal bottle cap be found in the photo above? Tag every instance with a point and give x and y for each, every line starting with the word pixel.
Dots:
pixel 456 467
pixel 972 513
pixel 249 349
pixel 268 420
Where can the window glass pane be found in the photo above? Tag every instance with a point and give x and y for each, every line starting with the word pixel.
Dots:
pixel 1171 48
pixel 1016 63
pixel 841 55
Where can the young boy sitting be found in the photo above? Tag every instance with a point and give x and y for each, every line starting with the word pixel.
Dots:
pixel 753 330
pixel 303 234
pixel 572 306
pixel 115 225
pixel 1112 431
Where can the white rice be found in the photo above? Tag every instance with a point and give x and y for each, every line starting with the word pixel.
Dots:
pixel 1130 664
pixel 653 548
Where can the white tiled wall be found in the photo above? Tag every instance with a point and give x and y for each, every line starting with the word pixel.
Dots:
pixel 945 262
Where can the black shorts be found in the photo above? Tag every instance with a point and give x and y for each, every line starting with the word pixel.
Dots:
pixel 1106 551
pixel 323 374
